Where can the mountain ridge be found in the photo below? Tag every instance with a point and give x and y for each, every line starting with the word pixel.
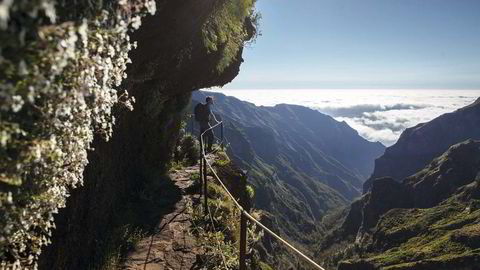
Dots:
pixel 418 145
pixel 439 203
pixel 299 160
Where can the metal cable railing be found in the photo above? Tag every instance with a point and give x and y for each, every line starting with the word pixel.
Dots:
pixel 203 175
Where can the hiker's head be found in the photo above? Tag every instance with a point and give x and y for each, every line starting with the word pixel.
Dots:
pixel 209 100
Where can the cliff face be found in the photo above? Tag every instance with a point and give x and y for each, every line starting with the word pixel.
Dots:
pixel 429 221
pixel 174 57
pixel 418 145
pixel 302 162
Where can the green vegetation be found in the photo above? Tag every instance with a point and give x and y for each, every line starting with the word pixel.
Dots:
pixel 175 166
pixel 219 231
pixel 219 234
pixel 440 233
pixel 250 191
pixel 123 240
pixel 189 149
pixel 195 177
pixel 264 266
pixel 434 228
pixel 222 162
pixel 61 63
pixel 227 30
pixel 409 237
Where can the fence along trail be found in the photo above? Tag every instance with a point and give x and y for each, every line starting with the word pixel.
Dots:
pixel 202 167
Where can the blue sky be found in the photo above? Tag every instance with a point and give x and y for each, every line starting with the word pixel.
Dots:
pixel 364 44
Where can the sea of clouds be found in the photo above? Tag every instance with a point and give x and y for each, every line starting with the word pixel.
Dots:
pixel 378 115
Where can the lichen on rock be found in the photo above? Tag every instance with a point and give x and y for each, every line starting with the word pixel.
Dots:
pixel 61 64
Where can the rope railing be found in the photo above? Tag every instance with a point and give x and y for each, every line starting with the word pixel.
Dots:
pixel 244 213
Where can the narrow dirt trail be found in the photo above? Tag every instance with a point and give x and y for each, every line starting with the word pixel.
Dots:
pixel 171 246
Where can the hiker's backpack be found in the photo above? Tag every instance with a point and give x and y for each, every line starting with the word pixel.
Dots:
pixel 201 113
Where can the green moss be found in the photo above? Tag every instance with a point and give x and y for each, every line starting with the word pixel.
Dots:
pixel 222 163
pixel 216 191
pixel 264 266
pixel 222 159
pixel 175 166
pixel 224 32
pixel 250 191
pixel 195 176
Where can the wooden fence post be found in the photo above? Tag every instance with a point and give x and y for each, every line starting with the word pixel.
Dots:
pixel 201 159
pixel 221 133
pixel 192 124
pixel 243 223
pixel 243 241
pixel 205 195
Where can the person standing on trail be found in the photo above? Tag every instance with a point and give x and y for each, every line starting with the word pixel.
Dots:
pixel 203 114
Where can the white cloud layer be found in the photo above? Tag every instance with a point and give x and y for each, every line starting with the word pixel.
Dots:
pixel 378 115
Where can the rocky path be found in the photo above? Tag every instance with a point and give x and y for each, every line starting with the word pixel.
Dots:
pixel 172 246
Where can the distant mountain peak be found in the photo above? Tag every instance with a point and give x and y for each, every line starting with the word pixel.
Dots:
pixel 418 145
pixel 438 202
pixel 303 163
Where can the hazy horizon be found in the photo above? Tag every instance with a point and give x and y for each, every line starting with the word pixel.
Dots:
pixel 364 44
pixel 377 114
pixel 377 65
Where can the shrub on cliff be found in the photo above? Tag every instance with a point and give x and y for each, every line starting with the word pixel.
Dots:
pixel 187 151
pixel 60 65
pixel 232 23
pixel 219 230
pixel 190 149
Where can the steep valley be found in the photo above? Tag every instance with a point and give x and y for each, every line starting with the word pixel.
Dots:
pixel 96 159
pixel 302 163
pixel 429 220
pixel 418 145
